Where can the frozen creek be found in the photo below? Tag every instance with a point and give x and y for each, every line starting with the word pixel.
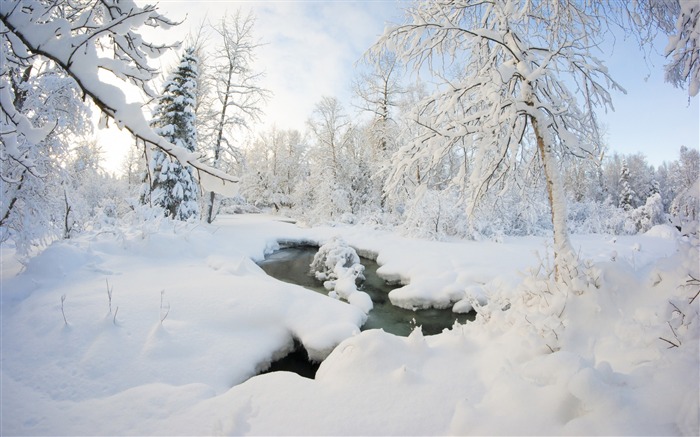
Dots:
pixel 292 265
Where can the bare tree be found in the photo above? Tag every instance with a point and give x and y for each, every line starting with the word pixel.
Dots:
pixel 239 97
pixel 330 127
pixel 379 91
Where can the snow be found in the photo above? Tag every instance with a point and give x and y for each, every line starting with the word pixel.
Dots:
pixel 338 265
pixel 127 372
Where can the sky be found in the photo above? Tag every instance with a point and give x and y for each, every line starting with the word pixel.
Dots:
pixel 311 49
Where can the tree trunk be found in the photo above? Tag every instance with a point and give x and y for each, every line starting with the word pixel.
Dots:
pixel 557 202
pixel 220 137
pixel 210 213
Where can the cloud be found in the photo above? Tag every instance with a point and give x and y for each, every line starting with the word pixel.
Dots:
pixel 311 51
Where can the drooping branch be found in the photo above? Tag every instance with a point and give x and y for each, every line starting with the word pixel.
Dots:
pixel 83 66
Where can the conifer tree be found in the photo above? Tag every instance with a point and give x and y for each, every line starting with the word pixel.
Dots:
pixel 627 195
pixel 172 186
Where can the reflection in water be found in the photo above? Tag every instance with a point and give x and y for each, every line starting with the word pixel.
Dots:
pixel 292 265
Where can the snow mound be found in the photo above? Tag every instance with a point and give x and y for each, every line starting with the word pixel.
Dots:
pixel 338 265
pixel 663 231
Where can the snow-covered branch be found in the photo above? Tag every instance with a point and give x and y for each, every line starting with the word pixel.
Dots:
pixel 34 29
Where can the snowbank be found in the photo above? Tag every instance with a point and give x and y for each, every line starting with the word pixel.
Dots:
pixel 621 358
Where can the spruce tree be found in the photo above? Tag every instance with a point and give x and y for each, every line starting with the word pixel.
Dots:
pixel 172 186
pixel 627 195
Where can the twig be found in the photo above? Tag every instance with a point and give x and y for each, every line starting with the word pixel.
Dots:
pixel 63 298
pixel 693 281
pixel 669 342
pixel 109 295
pixel 114 320
pixel 163 317
pixel 673 331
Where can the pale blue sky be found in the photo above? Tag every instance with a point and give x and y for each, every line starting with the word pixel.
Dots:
pixel 312 47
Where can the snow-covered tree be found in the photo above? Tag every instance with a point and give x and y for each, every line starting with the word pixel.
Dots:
pixel 507 68
pixel 650 214
pixel 172 186
pixel 84 40
pixel 273 168
pixel 627 195
pixel 34 201
pixel 379 92
pixel 332 133
pixel 685 177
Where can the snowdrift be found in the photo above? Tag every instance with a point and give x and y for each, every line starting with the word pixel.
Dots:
pixel 193 319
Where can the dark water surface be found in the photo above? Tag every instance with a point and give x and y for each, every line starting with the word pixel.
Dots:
pixel 292 265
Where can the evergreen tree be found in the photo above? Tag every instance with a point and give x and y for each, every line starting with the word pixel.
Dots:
pixel 172 186
pixel 626 194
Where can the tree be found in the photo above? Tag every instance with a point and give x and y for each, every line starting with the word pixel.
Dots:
pixel 685 206
pixel 379 91
pixel 273 168
pixel 332 166
pixel 82 39
pixel 172 185
pixel 627 196
pixel 44 118
pixel 239 97
pixel 508 92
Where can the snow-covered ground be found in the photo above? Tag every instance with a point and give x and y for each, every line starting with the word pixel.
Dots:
pixel 193 318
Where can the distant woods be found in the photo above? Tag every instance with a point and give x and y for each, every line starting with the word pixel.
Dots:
pixel 500 137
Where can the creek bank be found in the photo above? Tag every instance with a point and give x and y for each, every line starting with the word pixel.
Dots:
pixel 292 264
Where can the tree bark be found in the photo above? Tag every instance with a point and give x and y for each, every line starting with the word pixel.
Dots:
pixel 557 201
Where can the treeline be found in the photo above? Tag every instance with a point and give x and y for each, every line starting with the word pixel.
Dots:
pixel 471 156
pixel 337 171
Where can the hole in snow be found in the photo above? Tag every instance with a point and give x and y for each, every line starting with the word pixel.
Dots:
pixel 296 361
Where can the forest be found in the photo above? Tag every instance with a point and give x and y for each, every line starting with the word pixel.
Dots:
pixel 473 141
pixel 393 160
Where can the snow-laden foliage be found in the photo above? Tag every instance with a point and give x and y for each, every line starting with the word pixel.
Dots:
pixel 506 71
pixel 683 49
pixel 274 167
pixel 648 215
pixel 38 192
pixel 339 267
pixel 628 198
pixel 169 184
pixel 435 214
pixel 84 40
pixel 686 209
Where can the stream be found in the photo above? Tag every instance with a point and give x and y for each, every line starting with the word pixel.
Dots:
pixel 292 265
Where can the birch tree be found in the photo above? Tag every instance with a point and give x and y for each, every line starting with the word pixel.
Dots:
pixel 511 74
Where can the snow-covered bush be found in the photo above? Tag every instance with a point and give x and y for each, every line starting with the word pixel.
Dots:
pixel 648 215
pixel 685 209
pixel 435 214
pixel 338 265
pixel 334 256
pixel 510 212
pixel 591 217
